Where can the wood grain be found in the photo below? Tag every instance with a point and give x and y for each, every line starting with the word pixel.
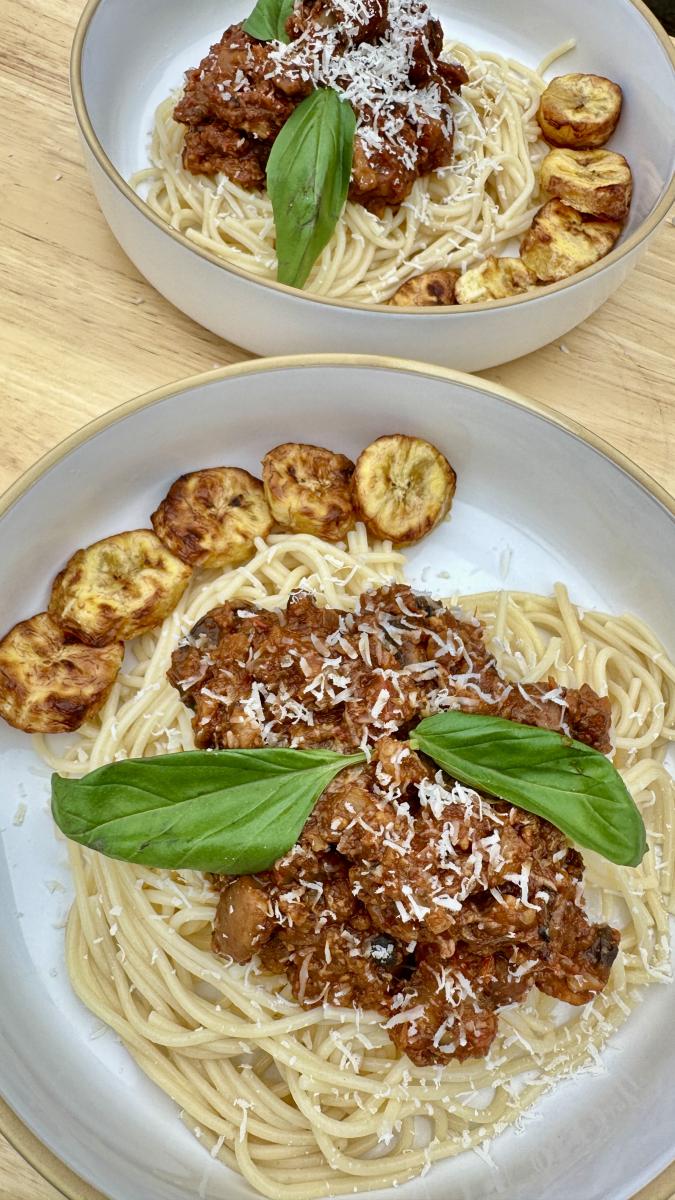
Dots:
pixel 18 1181
pixel 80 330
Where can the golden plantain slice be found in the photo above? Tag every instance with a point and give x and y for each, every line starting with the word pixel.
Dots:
pixel 592 181
pixel 494 279
pixel 211 518
pixel 118 588
pixel 431 289
pixel 403 486
pixel 580 111
pixel 308 489
pixel 562 241
pixel 49 683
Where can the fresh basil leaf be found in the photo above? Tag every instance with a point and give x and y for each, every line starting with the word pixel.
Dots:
pixel 308 175
pixel 574 787
pixel 232 811
pixel 267 22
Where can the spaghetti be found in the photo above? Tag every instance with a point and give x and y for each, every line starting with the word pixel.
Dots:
pixel 312 1103
pixel 453 217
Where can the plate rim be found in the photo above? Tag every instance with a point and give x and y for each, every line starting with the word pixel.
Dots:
pixel 17 1133
pixel 379 361
pixel 88 134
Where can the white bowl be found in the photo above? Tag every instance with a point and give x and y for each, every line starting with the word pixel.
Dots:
pixel 128 55
pixel 564 505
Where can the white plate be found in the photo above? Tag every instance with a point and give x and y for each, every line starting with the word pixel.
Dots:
pixel 562 507
pixel 128 56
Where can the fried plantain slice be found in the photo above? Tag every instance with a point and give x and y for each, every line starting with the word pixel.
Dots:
pixel 403 486
pixel 117 588
pixel 562 241
pixel 580 112
pixel 431 289
pixel 50 683
pixel 308 489
pixel 211 518
pixel 592 181
pixel 494 279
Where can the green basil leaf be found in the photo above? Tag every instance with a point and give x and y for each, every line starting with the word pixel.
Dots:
pixel 233 811
pixel 308 175
pixel 267 22
pixel 574 787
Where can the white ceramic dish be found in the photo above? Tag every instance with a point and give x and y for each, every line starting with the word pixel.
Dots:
pixel 127 56
pixel 565 508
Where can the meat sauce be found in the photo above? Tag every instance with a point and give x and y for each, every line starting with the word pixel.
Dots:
pixel 407 893
pixel 384 57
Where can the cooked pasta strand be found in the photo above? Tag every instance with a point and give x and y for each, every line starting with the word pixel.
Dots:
pixel 297 1100
pixel 453 217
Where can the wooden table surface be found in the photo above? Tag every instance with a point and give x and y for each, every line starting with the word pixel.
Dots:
pixel 80 330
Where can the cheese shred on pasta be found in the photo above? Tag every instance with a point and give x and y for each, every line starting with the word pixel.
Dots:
pixel 453 217
pixel 312 1103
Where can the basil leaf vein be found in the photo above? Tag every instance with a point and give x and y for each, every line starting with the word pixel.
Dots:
pixel 231 811
pixel 308 173
pixel 569 784
pixel 267 22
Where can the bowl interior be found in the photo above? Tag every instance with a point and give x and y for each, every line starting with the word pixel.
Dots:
pixel 535 504
pixel 135 54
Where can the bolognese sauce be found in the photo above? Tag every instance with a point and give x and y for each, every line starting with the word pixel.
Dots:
pixel 407 893
pixel 384 58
